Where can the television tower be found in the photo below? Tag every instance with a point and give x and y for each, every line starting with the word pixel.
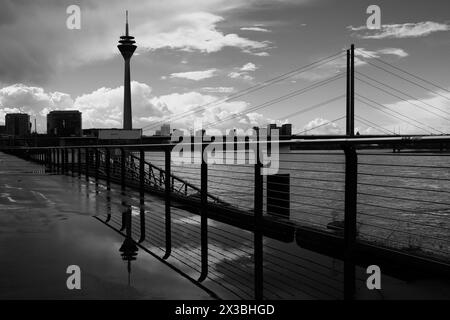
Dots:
pixel 127 47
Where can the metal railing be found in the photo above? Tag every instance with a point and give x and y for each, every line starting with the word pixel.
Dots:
pixel 357 201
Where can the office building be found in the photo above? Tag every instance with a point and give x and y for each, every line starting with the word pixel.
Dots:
pixel 165 130
pixel 64 123
pixel 286 130
pixel 17 124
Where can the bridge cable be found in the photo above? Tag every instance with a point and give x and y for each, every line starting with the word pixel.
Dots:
pixel 402 70
pixel 276 100
pixel 404 100
pixel 382 106
pixel 251 89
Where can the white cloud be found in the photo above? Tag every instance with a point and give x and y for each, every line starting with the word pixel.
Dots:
pixel 339 65
pixel 218 89
pixel 405 30
pixel 248 67
pixel 102 108
pixel 257 29
pixel 261 54
pixel 32 100
pixel 394 51
pixel 322 126
pixel 195 75
pixel 362 52
pixel 240 75
pixel 195 31
pixel 243 72
pixel 432 120
pixel 174 24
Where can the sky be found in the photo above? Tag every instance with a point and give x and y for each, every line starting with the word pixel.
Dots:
pixel 194 54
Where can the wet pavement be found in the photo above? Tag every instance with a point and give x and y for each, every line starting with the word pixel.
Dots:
pixel 47 223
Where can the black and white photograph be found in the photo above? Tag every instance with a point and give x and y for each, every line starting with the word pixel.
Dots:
pixel 226 157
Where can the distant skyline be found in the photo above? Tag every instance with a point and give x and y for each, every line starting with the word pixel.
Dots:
pixel 193 52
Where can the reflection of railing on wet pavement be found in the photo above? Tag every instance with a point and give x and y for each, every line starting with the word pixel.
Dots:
pixel 335 197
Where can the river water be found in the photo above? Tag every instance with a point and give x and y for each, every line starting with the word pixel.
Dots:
pixel 403 198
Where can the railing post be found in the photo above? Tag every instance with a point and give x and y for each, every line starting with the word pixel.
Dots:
pixel 58 161
pixel 142 222
pixel 141 173
pixel 79 162
pixel 122 167
pixel 108 168
pixel 66 160
pixel 72 160
pixel 86 160
pixel 52 160
pixel 97 163
pixel 63 161
pixel 49 160
pixel 204 214
pixel 168 219
pixel 351 190
pixel 258 236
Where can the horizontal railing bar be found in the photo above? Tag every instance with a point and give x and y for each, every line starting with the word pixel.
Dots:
pixel 320 141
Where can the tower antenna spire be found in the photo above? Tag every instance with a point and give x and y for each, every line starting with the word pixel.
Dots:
pixel 126 23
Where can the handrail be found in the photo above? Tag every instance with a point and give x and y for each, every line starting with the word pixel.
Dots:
pixel 178 179
pixel 319 141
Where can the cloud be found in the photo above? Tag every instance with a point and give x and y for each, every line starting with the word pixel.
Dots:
pixel 257 29
pixel 394 51
pixel 434 120
pixel 243 72
pixel 240 75
pixel 261 54
pixel 32 100
pixel 339 65
pixel 218 89
pixel 196 31
pixel 405 30
pixel 102 108
pixel 320 126
pixel 362 52
pixel 41 46
pixel 195 75
pixel 248 67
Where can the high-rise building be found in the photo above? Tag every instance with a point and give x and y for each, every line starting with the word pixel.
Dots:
pixel 271 126
pixel 165 130
pixel 17 124
pixel 126 48
pixel 286 130
pixel 64 123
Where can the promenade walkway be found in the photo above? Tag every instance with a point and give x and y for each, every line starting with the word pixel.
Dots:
pixel 49 221
pixel 47 224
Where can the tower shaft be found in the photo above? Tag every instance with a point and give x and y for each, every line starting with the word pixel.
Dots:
pixel 127 116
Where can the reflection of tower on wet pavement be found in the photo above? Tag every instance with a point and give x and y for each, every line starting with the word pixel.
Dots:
pixel 128 249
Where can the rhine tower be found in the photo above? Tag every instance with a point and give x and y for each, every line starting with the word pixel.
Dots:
pixel 127 47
